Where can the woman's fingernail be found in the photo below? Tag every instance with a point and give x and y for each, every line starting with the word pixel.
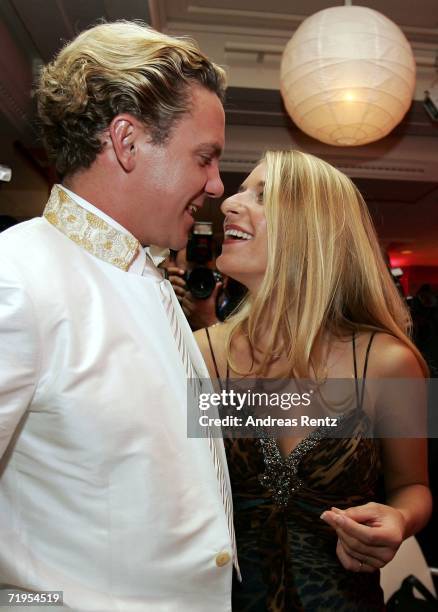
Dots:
pixel 323 516
pixel 339 520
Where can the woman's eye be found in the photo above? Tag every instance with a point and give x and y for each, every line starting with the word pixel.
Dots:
pixel 260 197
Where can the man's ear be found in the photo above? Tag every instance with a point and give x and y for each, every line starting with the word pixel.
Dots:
pixel 125 132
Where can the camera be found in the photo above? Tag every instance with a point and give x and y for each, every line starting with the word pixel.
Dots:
pixel 201 280
pixel 230 298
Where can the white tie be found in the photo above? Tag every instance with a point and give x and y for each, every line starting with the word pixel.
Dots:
pixel 192 379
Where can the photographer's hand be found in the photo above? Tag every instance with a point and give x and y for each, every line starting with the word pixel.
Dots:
pixel 176 278
pixel 201 313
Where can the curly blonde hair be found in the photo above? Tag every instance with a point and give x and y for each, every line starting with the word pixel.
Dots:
pixel 112 68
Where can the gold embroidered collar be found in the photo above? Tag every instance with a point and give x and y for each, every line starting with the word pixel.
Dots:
pixel 90 231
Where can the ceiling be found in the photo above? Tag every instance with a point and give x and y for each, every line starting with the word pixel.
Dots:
pixel 280 12
pixel 247 37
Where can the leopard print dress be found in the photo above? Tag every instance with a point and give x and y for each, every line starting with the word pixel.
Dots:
pixel 286 552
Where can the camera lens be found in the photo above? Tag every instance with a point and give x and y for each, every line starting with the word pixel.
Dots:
pixel 201 283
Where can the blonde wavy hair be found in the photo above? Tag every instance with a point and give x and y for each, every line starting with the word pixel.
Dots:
pixel 325 270
pixel 112 68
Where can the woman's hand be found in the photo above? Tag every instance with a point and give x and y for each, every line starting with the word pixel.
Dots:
pixel 368 535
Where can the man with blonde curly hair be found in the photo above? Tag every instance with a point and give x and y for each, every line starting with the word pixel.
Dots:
pixel 102 494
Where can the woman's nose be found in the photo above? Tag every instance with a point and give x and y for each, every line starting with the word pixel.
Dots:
pixel 230 205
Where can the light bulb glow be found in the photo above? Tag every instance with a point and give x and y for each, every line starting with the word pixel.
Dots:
pixel 347 76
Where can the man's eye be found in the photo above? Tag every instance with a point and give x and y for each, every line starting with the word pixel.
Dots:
pixel 205 161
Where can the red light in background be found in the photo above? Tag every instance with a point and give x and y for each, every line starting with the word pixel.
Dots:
pixel 398 260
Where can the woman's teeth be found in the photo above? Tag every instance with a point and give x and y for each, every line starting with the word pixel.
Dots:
pixel 238 234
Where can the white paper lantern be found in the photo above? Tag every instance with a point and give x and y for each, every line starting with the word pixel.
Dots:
pixel 347 76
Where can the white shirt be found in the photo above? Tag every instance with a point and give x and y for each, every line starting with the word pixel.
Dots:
pixel 102 495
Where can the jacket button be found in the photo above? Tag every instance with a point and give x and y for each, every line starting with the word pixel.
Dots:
pixel 222 559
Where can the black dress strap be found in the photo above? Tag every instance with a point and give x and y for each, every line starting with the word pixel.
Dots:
pixel 367 354
pixel 212 352
pixel 215 363
pixel 360 396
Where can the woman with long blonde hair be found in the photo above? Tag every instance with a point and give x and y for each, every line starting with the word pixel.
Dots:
pixel 312 531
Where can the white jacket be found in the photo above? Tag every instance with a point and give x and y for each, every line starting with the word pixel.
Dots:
pixel 102 495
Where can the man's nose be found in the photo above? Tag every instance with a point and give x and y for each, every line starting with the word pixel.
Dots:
pixel 214 187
